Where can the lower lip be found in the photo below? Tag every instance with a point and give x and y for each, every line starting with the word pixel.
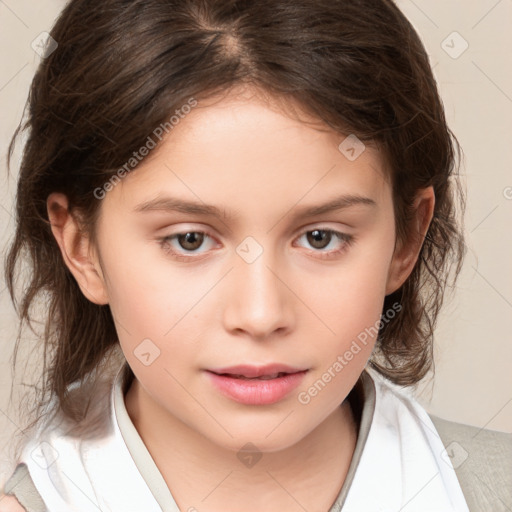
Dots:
pixel 255 391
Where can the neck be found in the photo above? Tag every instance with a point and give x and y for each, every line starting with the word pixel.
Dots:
pixel 202 475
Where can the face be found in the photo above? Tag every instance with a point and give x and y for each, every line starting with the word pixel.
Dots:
pixel 257 279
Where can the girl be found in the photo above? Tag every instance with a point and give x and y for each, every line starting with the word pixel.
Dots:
pixel 242 215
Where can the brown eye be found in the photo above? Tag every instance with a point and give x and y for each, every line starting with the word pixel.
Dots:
pixel 326 243
pixel 191 240
pixel 187 245
pixel 318 237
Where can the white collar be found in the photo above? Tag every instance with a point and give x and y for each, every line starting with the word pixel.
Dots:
pixel 401 467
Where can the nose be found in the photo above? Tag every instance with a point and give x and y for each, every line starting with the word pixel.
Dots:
pixel 259 302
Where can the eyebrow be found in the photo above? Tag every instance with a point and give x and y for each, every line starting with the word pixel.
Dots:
pixel 172 204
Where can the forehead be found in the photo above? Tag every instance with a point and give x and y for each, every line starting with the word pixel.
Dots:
pixel 240 148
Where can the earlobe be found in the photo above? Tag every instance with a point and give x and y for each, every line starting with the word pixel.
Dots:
pixel 406 254
pixel 75 249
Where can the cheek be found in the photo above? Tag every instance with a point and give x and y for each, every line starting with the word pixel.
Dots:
pixel 351 309
pixel 158 309
pixel 352 294
pixel 147 298
pixel 348 300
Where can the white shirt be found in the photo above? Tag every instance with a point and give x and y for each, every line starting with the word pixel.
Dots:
pixel 399 464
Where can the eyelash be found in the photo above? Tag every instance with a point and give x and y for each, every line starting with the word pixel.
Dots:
pixel 346 239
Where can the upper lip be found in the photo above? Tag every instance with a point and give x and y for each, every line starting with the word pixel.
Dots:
pixel 251 371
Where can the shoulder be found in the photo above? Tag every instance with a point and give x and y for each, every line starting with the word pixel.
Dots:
pixel 10 504
pixel 491 450
pixel 20 494
pixel 482 460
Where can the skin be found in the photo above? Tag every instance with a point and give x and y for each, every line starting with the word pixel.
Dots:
pixel 297 303
pixel 10 504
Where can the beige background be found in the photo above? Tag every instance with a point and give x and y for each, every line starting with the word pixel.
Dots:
pixel 473 379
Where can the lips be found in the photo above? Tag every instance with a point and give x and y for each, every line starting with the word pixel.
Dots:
pixel 256 385
pixel 270 371
pixel 262 377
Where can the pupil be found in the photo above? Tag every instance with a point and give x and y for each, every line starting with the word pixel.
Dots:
pixel 318 237
pixel 193 238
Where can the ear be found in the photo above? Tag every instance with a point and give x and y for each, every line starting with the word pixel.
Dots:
pixel 406 254
pixel 77 252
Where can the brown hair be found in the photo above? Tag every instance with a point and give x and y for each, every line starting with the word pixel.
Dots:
pixel 122 67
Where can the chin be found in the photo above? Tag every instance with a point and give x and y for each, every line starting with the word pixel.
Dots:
pixel 265 439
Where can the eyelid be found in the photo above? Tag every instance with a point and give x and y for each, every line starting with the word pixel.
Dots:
pixel 323 225
pixel 183 256
pixel 346 239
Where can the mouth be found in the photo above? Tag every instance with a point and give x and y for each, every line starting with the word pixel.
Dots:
pixel 253 385
pixel 262 377
pixel 266 372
